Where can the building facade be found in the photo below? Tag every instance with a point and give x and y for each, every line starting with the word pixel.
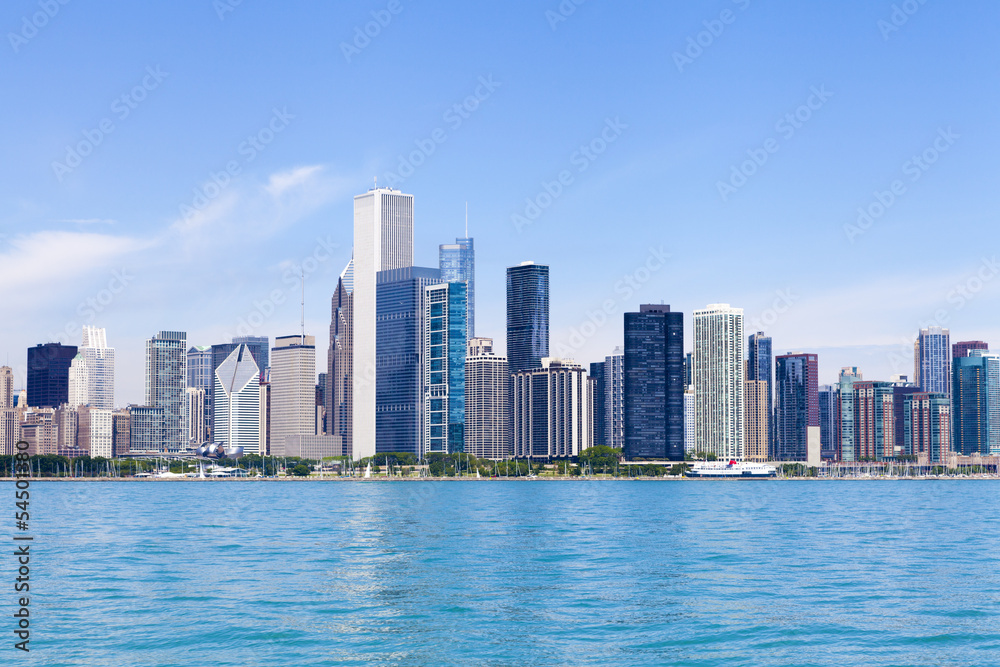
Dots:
pixel 796 404
pixel 829 436
pixel 527 316
pixel 445 328
pixel 293 387
pixel 339 361
pixel 458 265
pixel 719 380
pixel 487 383
pixel 237 402
pixel 757 420
pixel 927 427
pixel 166 380
pixel 612 400
pixel 48 374
pixel 599 419
pixel 760 366
pixel 970 405
pixel 550 410
pixel 932 354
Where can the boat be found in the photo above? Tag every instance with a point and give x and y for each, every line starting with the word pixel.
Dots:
pixel 731 469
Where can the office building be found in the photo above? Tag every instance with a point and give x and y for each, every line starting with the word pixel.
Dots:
pixel 796 405
pixel 200 369
pixel 689 430
pixel 197 433
pixel 653 384
pixel 550 411
pixel 237 402
pixel 146 429
pixel 932 355
pixel 487 383
pixel 760 366
pixel 40 429
pixel 971 403
pixel 445 345
pixel 95 434
pixel 121 431
pixel 260 349
pixel 48 374
pixel 829 435
pixel 962 348
pixel 339 360
pixel 688 369
pixel 527 316
pixel 66 420
pixel 845 391
pixel 599 412
pixel 719 380
pixel 166 380
pixel 458 265
pixel 293 387
pixel 874 420
pixel 221 351
pixel 383 241
pixel 757 420
pixel 612 401
pixel 399 361
pixel 992 398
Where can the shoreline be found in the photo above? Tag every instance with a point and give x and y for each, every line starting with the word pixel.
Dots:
pixel 496 479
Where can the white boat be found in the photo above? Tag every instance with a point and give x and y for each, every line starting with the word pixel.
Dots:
pixel 731 469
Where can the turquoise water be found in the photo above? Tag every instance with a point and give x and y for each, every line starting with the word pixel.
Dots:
pixel 513 573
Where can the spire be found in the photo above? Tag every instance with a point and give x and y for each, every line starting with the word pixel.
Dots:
pixel 466 219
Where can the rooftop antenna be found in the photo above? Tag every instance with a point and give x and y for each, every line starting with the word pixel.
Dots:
pixel 303 306
pixel 466 219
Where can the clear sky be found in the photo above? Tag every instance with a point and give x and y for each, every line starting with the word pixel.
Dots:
pixel 120 121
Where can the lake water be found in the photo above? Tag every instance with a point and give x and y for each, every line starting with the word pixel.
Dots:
pixel 513 573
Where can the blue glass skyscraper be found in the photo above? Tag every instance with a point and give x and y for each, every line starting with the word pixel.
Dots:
pixel 760 367
pixel 527 316
pixel 445 326
pixel 458 264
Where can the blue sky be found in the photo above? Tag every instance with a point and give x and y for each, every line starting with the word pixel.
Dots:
pixel 870 92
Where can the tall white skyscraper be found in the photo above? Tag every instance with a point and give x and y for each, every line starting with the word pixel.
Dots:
pixel 613 401
pixel 293 388
pixel 719 375
pixel 92 371
pixel 166 382
pixel 237 402
pixel 487 384
pixel 383 240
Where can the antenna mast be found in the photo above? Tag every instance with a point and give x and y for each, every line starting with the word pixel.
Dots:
pixel 466 219
pixel 303 306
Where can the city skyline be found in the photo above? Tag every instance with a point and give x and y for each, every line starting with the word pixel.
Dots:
pixel 151 229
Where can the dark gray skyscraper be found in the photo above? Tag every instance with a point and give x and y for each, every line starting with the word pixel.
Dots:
pixel 458 264
pixel 760 366
pixel 654 383
pixel 48 374
pixel 527 316
pixel 597 408
pixel 797 404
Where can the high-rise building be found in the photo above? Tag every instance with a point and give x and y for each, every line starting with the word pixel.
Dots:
pixel 339 360
pixel 221 351
pixel 829 435
pixel 599 412
pixel 48 374
pixel 259 348
pixel 95 434
pixel 688 369
pixel 487 383
pixel 66 420
pixel 992 397
pixel 40 429
pixel 200 369
pixel 527 316
pixel 121 431
pixel 146 426
pixel 962 348
pixel 166 380
pixel 689 431
pixel 383 241
pixel 458 265
pixel 760 366
pixel 293 387
pixel 757 420
pixel 92 372
pixel 927 427
pixel 932 360
pixel 719 380
pixel 445 345
pixel 874 420
pixel 550 410
pixel 612 401
pixel 10 417
pixel 399 360
pixel 971 405
pixel 237 402
pixel 848 451
pixel 796 406
pixel 197 433
pixel 653 384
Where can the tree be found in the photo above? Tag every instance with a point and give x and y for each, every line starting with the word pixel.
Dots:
pixel 301 470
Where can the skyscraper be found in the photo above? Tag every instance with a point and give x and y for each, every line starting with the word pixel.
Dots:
pixel 599 411
pixel 796 405
pixel 719 380
pixel 653 384
pixel 612 402
pixel 845 423
pixel 166 380
pixel 962 348
pixel 200 369
pixel 255 343
pixel 221 351
pixel 92 372
pixel 927 427
pixel 293 388
pixel 527 316
pixel 237 402
pixel 383 240
pixel 10 416
pixel 760 366
pixel 445 345
pixel 874 420
pixel 400 342
pixel 932 360
pixel 197 431
pixel 550 410
pixel 458 264
pixel 757 420
pixel 829 435
pixel 340 379
pixel 992 397
pixel 145 428
pixel 487 383
pixel 48 374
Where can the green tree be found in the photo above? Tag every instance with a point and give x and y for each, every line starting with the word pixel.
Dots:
pixel 300 470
